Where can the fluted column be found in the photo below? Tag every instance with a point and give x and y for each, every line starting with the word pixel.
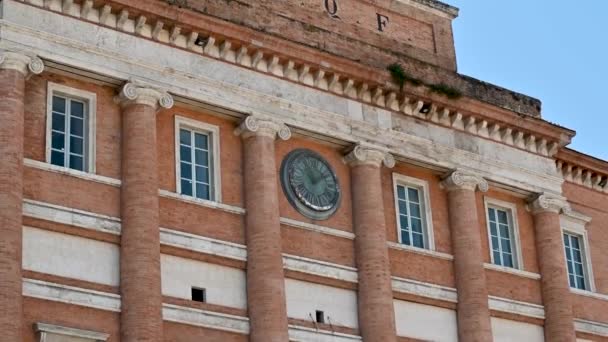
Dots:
pixel 140 278
pixel 375 292
pixel 473 311
pixel 14 69
pixel 265 277
pixel 559 319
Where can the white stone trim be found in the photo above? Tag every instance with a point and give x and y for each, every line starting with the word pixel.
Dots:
pixel 424 289
pixel 90 100
pixel 585 293
pixel 202 244
pixel 203 203
pixel 304 334
pixel 591 327
pixel 45 33
pixel 511 208
pixel 71 295
pixel 317 228
pixel 71 172
pixel 205 319
pixel 422 251
pixel 44 328
pixel 513 271
pixel 73 217
pixel 320 268
pixel 423 187
pixel 214 132
pixel 516 307
pixel 575 223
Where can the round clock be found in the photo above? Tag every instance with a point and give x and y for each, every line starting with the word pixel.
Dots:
pixel 310 184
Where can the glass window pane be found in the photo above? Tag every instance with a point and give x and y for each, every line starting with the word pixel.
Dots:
pixel 201 157
pixel 76 163
pixel 504 231
pixel 202 174
pixel 77 126
pixel 577 256
pixel 578 268
pixel 200 141
pixel 184 137
pixel 186 187
pixel 405 237
pixel 506 245
pixel 494 243
pixel 415 210
pixel 76 145
pixel 572 282
pixel 575 242
pixel 58 122
pixel 413 195
pixel 185 153
pixel 497 258
pixel 418 240
pixel 77 108
pixel 502 217
pixel 202 191
pixel 400 192
pixel 566 240
pixel 416 225
pixel 581 282
pixel 570 268
pixel 403 222
pixel 58 104
pixel 58 141
pixel 507 260
pixel 403 208
pixel 186 170
pixel 493 229
pixel 57 158
pixel 492 214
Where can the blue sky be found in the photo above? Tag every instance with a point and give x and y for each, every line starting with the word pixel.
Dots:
pixel 556 51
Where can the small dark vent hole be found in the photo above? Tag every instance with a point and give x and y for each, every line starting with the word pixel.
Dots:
pixel 199 295
pixel 320 316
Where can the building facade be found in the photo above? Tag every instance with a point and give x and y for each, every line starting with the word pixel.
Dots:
pixel 212 170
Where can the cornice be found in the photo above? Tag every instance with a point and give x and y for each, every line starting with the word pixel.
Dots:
pixel 581 169
pixel 369 86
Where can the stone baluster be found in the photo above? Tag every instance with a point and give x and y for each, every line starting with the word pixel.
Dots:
pixel 375 292
pixel 15 68
pixel 140 277
pixel 473 311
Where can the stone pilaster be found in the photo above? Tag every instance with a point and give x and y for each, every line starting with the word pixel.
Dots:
pixel 14 70
pixel 140 278
pixel 473 311
pixel 559 319
pixel 265 277
pixel 375 292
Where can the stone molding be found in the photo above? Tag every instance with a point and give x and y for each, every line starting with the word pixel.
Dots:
pixel 44 328
pixel 254 126
pixel 134 93
pixel 320 76
pixel 71 172
pixel 463 180
pixel 364 154
pixel 549 203
pixel 582 176
pixel 23 63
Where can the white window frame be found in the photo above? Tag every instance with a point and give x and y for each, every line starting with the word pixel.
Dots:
pixel 511 208
pixel 214 133
pixel 575 224
pixel 427 222
pixel 90 100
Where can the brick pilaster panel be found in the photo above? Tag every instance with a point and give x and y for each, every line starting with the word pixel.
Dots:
pixel 265 279
pixel 140 278
pixel 559 319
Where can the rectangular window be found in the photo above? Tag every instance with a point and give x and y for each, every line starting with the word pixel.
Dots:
pixel 502 237
pixel 197 159
pixel 411 221
pixel 70 128
pixel 574 259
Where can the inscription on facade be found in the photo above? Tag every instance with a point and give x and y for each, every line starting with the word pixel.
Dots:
pixel 332 8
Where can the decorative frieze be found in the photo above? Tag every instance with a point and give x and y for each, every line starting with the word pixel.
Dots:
pixel 319 76
pixel 364 154
pixel 463 180
pixel 265 127
pixel 582 176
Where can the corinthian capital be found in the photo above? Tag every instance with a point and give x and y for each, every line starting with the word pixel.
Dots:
pixel 254 126
pixel 549 203
pixel 368 155
pixel 133 93
pixel 26 65
pixel 463 180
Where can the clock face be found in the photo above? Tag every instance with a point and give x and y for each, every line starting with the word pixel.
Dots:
pixel 310 184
